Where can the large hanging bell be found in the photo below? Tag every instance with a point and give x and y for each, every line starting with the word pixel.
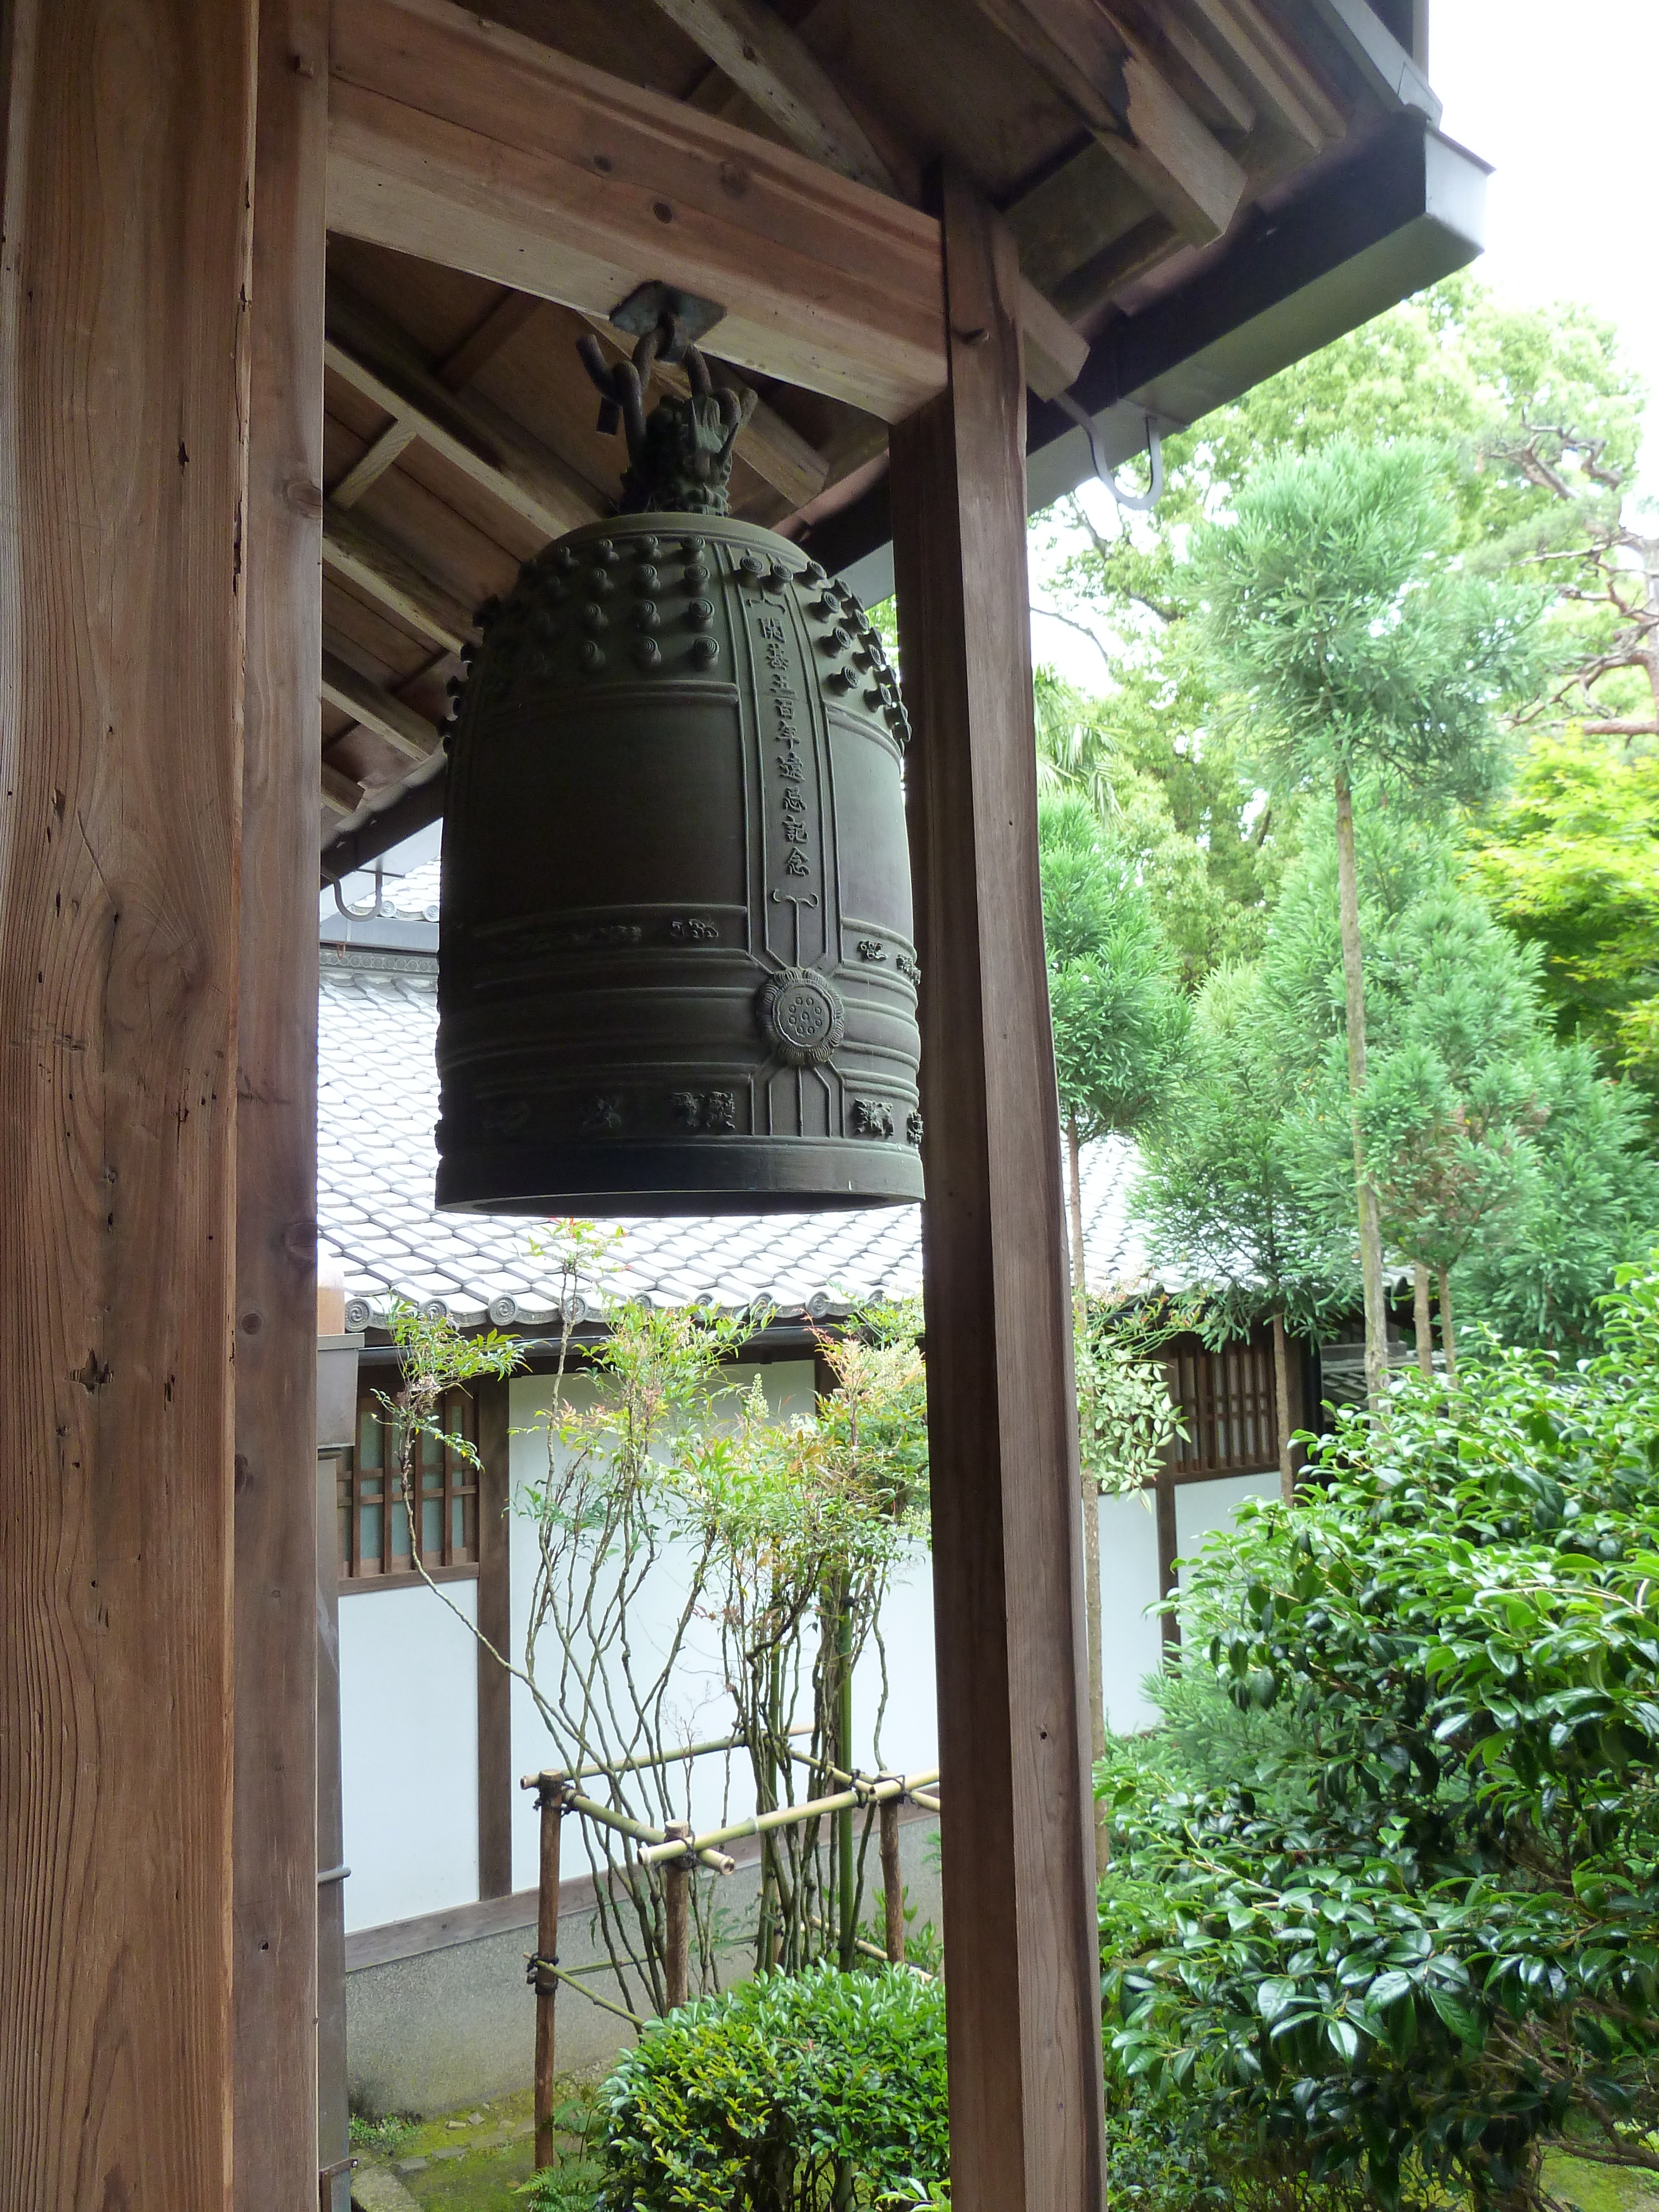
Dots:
pixel 675 970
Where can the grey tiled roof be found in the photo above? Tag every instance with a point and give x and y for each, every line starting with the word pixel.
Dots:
pixel 377 1106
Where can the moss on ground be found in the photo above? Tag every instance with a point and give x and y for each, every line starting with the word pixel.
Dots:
pixel 494 2147
pixel 1595 2188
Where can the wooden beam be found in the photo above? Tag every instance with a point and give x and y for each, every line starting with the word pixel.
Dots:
pixel 365 556
pixel 342 794
pixel 771 64
pixel 275 1868
pixel 498 1796
pixel 1054 352
pixel 1168 1582
pixel 1021 1941
pixel 372 464
pixel 124 365
pixel 377 708
pixel 379 359
pixel 472 145
pixel 1110 78
pixel 1281 79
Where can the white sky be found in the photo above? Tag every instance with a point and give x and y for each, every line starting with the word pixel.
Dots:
pixel 1564 101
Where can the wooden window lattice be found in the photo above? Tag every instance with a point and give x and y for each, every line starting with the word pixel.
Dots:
pixel 1227 1406
pixel 374 1534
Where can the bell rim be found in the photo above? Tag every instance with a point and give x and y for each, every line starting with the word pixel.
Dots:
pixel 721 1175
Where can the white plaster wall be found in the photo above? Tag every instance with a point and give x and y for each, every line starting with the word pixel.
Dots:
pixel 1129 1641
pixel 717 1786
pixel 1202 1507
pixel 408 1751
pixel 1129 1638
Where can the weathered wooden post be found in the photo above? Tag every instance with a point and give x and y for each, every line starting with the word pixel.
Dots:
pixel 275 1963
pixel 123 510
pixel 893 1893
pixel 551 1804
pixel 676 1919
pixel 1021 1943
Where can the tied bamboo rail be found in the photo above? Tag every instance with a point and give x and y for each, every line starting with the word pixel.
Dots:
pixel 873 1792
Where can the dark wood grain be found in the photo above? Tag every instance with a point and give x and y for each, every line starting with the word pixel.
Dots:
pixel 1164 1503
pixel 497 1794
pixel 128 137
pixel 1019 1871
pixel 275 1872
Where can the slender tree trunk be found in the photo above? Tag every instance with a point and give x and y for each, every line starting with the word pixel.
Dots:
pixel 1096 1685
pixel 1090 1499
pixel 1282 1400
pixel 1448 1333
pixel 1353 977
pixel 1422 1319
pixel 1074 1193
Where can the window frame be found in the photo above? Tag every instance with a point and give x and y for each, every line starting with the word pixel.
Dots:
pixel 363 1488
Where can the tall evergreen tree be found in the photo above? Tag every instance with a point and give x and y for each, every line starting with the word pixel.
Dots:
pixel 1217 1194
pixel 1363 659
pixel 1120 1023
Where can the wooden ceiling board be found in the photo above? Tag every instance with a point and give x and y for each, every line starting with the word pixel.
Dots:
pixel 380 639
pixel 347 416
pixel 417 505
pixel 538 378
pixel 374 647
pixel 948 85
pixel 439 307
pixel 631 38
pixel 359 753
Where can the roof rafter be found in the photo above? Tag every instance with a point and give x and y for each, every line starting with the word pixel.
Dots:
pixel 1110 78
pixel 773 65
pixel 363 555
pixel 377 710
pixel 378 358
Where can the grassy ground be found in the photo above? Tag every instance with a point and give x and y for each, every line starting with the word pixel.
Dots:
pixel 470 2161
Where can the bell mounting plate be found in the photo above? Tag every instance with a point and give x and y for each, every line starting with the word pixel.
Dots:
pixel 646 304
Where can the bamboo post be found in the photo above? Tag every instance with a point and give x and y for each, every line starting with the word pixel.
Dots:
pixel 549 1802
pixel 892 1892
pixel 677 1903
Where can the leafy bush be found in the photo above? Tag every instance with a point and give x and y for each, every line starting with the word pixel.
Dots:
pixel 787 2093
pixel 1414 1932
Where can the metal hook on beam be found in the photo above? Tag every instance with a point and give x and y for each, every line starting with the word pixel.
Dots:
pixel 1141 502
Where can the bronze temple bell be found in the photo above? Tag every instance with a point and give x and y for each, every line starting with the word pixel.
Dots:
pixel 675 970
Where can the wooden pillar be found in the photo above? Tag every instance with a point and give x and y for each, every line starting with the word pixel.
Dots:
pixel 127 140
pixel 495 1791
pixel 1018 1854
pixel 1168 1582
pixel 276 1865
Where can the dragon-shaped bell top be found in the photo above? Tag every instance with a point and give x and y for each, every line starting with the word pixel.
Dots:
pixel 679 455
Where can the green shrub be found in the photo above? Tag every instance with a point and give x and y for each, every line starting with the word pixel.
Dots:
pixel 787 2093
pixel 1413 1934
